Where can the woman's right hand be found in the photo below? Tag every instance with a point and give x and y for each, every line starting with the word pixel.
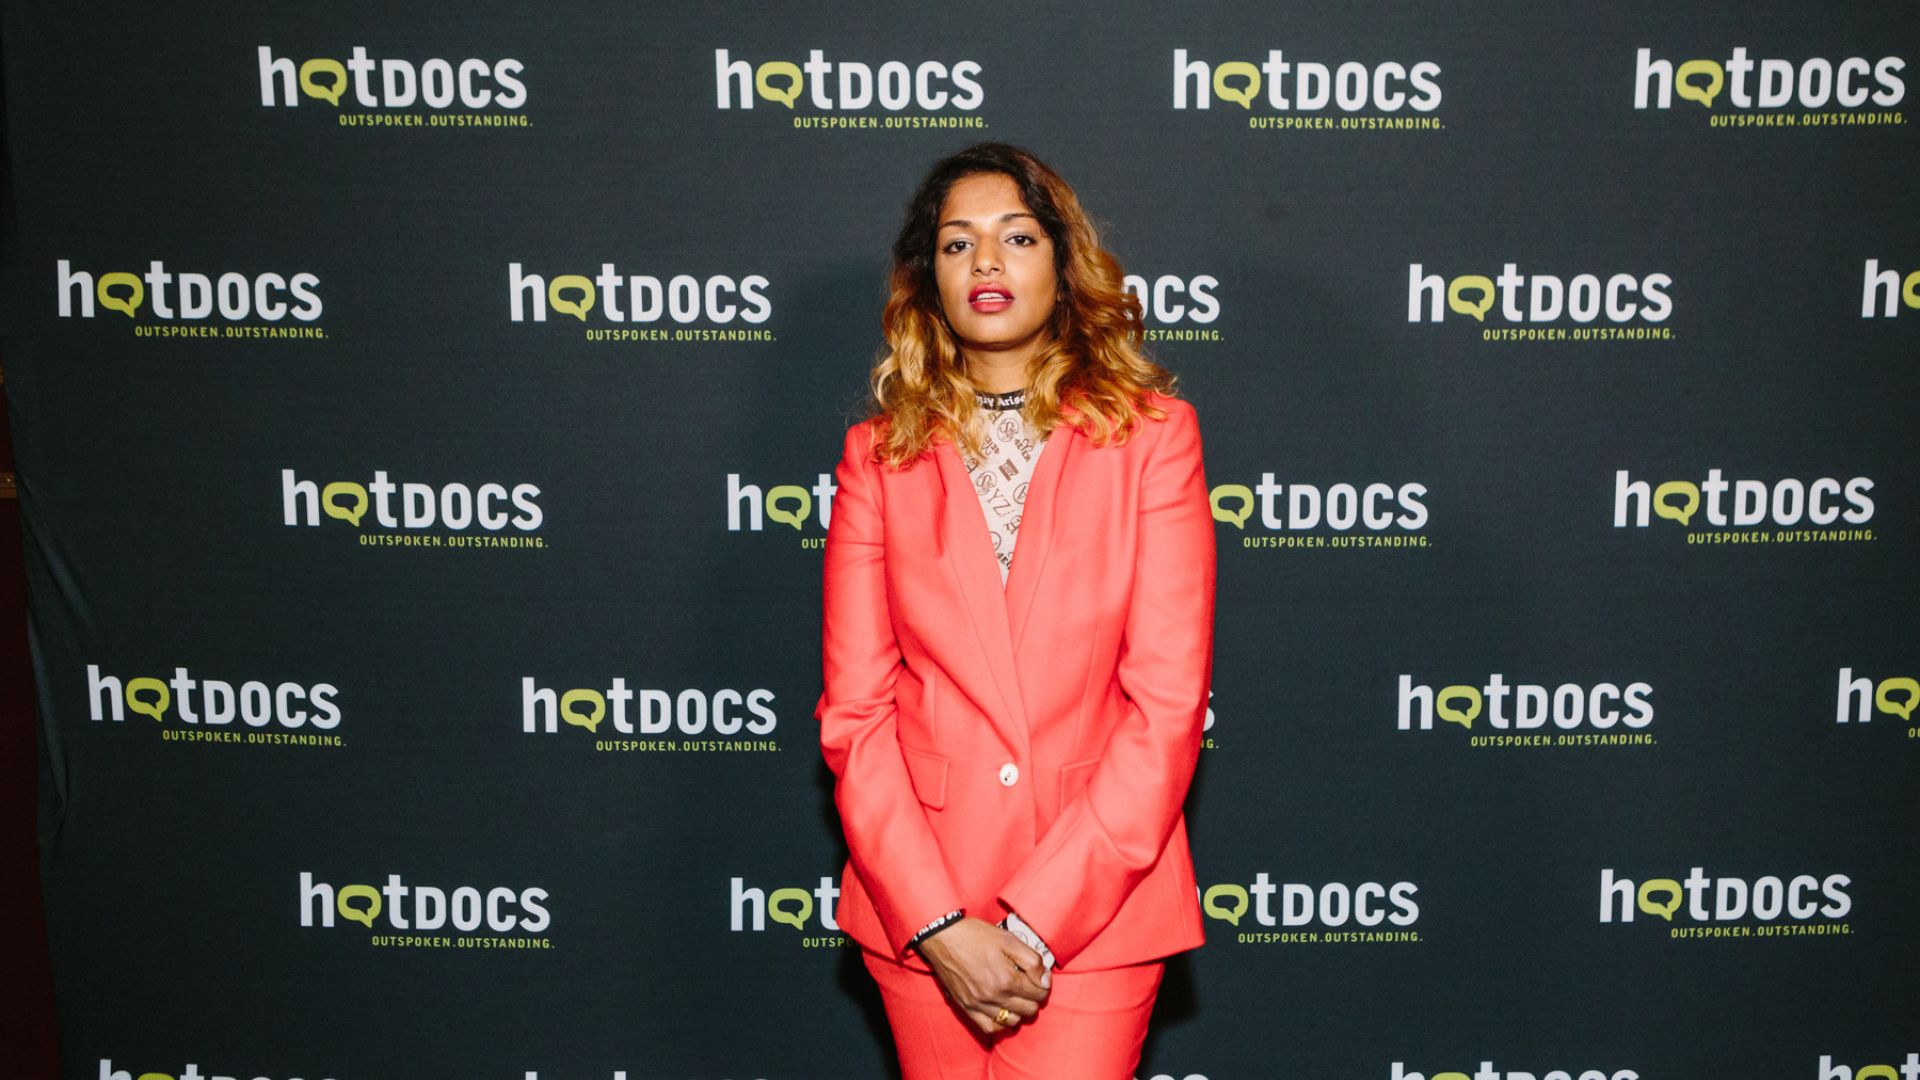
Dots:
pixel 985 969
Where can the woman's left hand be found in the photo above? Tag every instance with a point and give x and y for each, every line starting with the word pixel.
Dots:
pixel 990 974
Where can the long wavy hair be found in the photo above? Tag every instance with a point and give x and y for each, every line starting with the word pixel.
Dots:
pixel 1091 374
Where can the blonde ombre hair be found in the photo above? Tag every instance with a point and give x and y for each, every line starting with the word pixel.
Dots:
pixel 1091 374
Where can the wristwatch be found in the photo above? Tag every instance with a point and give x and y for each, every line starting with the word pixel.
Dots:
pixel 1015 925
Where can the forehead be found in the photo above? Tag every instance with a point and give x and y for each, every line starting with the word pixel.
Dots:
pixel 982 198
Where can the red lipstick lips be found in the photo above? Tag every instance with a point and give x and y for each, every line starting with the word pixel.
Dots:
pixel 988 298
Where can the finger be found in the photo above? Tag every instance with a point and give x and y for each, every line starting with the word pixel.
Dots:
pixel 1022 959
pixel 1022 1008
pixel 1039 977
pixel 1022 956
pixel 987 1020
pixel 1026 987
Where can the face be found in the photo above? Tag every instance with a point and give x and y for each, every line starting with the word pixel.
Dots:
pixel 993 263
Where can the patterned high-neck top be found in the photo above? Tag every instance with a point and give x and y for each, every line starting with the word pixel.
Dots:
pixel 1000 477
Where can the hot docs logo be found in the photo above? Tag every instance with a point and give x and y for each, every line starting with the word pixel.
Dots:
pixel 211 702
pixel 1702 899
pixel 1569 706
pixel 1741 82
pixel 1719 503
pixel 717 299
pixel 189 296
pixel 1615 299
pixel 400 906
pixel 646 711
pixel 390 83
pixel 844 85
pixel 493 507
pixel 1295 85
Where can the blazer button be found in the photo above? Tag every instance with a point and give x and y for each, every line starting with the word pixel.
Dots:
pixel 1009 774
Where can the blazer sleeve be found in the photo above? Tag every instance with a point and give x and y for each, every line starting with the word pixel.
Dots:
pixel 1109 837
pixel 892 845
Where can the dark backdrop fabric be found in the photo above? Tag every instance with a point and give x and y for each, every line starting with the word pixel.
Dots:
pixel 426 658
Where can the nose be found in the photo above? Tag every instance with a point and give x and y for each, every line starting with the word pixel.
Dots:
pixel 986 257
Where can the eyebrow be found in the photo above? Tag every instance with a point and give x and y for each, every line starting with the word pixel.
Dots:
pixel 965 224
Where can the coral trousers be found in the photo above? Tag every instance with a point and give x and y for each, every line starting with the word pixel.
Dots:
pixel 1090 1028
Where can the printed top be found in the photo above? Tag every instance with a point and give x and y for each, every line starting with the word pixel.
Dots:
pixel 1000 477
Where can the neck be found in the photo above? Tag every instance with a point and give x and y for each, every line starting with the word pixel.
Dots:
pixel 999 372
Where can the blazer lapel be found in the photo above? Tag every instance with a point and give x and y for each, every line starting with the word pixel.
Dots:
pixel 1000 612
pixel 1037 528
pixel 970 555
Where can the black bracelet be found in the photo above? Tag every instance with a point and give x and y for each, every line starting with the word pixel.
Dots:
pixel 935 927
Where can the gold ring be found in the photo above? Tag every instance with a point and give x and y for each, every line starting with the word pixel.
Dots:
pixel 1003 1018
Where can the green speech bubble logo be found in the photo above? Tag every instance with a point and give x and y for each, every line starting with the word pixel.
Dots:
pixel 162 697
pixel 1237 69
pixel 344 513
pixel 329 92
pixel 1211 903
pixel 1690 493
pixel 1692 91
pixel 364 916
pixel 1659 885
pixel 1910 290
pixel 1463 717
pixel 1460 305
pixel 1221 494
pixel 596 709
pixel 136 292
pixel 1451 1076
pixel 576 308
pixel 1875 1072
pixel 796 916
pixel 1883 697
pixel 763 82
pixel 155 1076
pixel 795 518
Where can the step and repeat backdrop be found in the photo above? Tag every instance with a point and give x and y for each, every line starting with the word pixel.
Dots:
pixel 426 420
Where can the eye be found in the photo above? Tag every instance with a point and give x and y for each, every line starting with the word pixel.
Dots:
pixel 952 247
pixel 1023 239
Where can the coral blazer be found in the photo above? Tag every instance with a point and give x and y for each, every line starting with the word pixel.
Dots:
pixel 1026 747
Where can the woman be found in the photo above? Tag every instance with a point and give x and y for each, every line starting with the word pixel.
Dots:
pixel 1012 749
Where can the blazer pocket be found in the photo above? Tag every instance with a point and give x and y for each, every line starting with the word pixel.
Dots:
pixel 928 772
pixel 1073 781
